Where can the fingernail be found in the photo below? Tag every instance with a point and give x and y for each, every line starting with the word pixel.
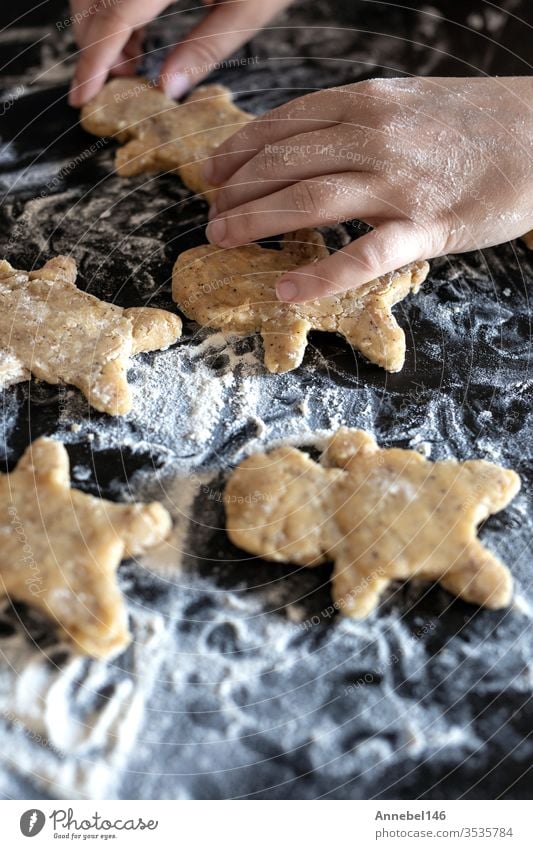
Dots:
pixel 176 85
pixel 287 290
pixel 213 211
pixel 216 231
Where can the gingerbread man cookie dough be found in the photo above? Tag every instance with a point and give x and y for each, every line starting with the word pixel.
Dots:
pixel 528 239
pixel 378 514
pixel 235 290
pixel 53 330
pixel 159 134
pixel 61 548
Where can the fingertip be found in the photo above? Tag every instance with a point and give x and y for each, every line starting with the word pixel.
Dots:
pixel 211 173
pixel 82 91
pixel 75 95
pixel 287 289
pixel 72 99
pixel 216 232
pixel 174 84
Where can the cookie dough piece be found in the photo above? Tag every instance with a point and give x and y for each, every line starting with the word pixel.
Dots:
pixel 61 548
pixel 159 134
pixel 235 290
pixel 53 330
pixel 528 240
pixel 378 514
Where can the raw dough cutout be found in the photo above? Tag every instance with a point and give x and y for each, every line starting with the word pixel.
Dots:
pixel 61 548
pixel 53 330
pixel 234 289
pixel 159 134
pixel 378 514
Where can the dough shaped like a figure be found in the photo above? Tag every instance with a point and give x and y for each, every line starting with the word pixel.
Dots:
pixel 53 330
pixel 378 514
pixel 159 134
pixel 235 290
pixel 61 548
pixel 528 239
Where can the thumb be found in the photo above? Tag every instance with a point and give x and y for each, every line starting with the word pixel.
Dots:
pixel 388 247
pixel 225 28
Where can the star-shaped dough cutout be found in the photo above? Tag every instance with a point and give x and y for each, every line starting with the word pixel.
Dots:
pixel 53 330
pixel 235 290
pixel 378 514
pixel 61 548
pixel 159 134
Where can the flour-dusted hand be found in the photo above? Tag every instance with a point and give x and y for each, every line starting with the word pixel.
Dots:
pixel 433 165
pixel 109 34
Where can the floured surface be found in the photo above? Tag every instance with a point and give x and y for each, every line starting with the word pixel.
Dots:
pixel 239 679
pixel 48 708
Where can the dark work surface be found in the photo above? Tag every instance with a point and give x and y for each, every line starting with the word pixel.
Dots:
pixel 431 698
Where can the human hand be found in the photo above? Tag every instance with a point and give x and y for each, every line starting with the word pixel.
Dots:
pixel 435 165
pixel 228 25
pixel 109 34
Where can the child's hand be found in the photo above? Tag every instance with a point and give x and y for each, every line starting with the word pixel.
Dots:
pixel 434 165
pixel 109 34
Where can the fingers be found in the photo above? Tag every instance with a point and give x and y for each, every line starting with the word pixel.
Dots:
pixel 129 57
pixel 388 247
pixel 81 20
pixel 302 157
pixel 108 33
pixel 101 53
pixel 309 203
pixel 307 114
pixel 226 27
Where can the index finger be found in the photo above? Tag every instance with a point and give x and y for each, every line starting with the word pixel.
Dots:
pixel 303 115
pixel 108 32
pixel 96 60
pixel 223 30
